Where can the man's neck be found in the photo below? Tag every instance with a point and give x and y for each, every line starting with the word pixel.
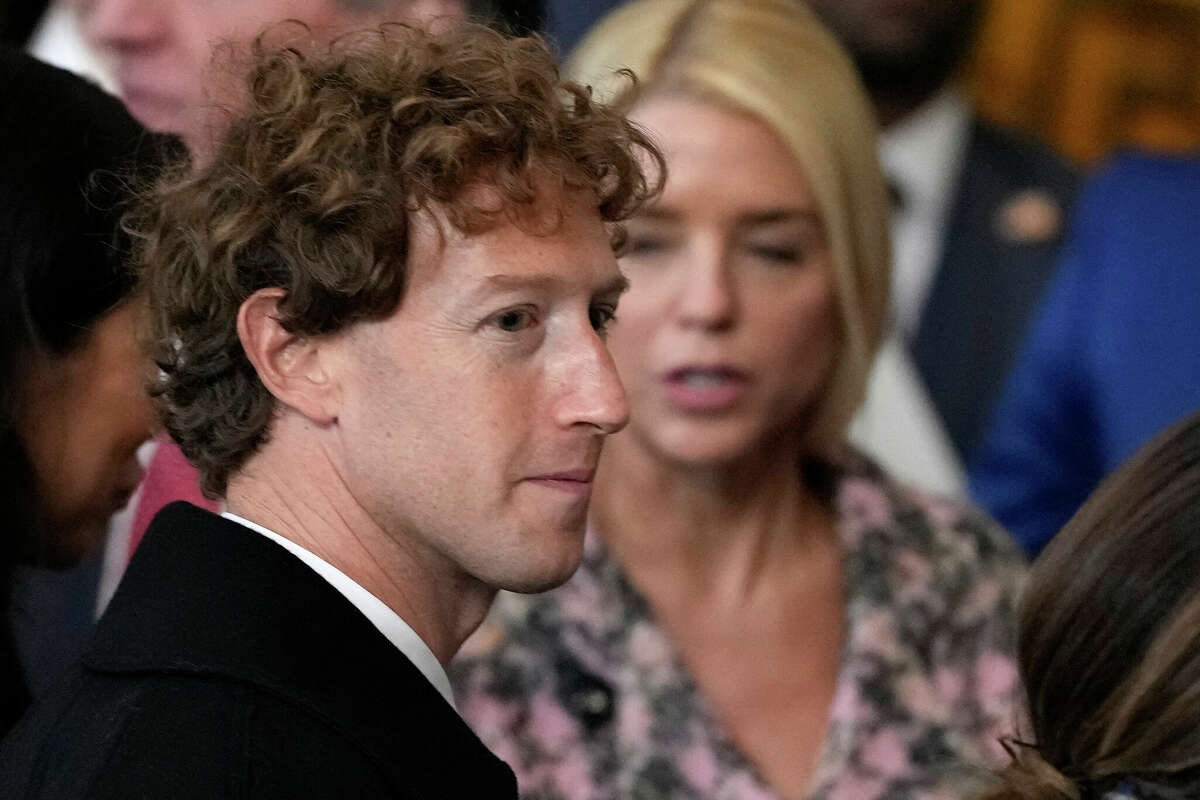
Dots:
pixel 313 508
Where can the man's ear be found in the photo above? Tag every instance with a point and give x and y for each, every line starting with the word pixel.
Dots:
pixel 292 367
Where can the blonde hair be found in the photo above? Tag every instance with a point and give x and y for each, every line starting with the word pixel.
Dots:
pixel 773 60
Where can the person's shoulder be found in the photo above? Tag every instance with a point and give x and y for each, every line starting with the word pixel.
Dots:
pixel 948 536
pixel 1021 157
pixel 1135 178
pixel 101 736
pixel 181 736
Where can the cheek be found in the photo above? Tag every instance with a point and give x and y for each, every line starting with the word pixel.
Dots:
pixel 803 337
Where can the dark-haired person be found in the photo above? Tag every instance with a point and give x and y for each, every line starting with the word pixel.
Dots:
pixel 378 315
pixel 1109 639
pixel 73 409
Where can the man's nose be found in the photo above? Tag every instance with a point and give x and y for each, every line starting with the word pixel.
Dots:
pixel 594 396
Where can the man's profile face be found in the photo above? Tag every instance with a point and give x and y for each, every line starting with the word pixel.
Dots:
pixel 471 419
pixel 162 51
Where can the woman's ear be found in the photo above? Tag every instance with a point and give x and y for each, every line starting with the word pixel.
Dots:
pixel 291 366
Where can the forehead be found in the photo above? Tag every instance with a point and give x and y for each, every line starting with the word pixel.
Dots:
pixel 722 159
pixel 563 243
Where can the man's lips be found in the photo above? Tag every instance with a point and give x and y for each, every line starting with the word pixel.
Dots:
pixel 573 481
pixel 705 389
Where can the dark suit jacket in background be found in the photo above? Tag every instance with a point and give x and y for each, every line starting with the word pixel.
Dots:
pixel 226 667
pixel 989 282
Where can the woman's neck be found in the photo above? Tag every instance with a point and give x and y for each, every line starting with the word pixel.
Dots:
pixel 719 532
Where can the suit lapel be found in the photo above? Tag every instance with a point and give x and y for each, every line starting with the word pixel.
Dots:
pixel 996 260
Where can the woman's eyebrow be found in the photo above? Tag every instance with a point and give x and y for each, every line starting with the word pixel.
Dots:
pixel 775 215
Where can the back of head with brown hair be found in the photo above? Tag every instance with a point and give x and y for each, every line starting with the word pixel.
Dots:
pixel 313 189
pixel 1110 636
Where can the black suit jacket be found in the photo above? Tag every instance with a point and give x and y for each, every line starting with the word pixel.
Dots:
pixel 225 667
pixel 989 281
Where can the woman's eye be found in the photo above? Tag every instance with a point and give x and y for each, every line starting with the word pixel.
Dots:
pixel 514 320
pixel 778 253
pixel 644 245
pixel 602 317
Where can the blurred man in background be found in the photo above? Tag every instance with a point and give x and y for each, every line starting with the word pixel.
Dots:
pixel 172 58
pixel 979 216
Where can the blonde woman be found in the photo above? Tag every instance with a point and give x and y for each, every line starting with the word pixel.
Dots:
pixel 761 613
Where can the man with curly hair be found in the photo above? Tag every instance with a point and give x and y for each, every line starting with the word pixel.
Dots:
pixel 378 314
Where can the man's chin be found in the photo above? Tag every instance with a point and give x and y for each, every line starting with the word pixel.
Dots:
pixel 547 577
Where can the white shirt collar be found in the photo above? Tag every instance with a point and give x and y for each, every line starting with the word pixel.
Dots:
pixel 924 150
pixel 389 623
pixel 923 157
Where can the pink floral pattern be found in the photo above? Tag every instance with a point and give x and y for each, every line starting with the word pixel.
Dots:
pixel 585 697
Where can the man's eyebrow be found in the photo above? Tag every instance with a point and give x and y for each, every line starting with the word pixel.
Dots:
pixel 506 282
pixel 617 286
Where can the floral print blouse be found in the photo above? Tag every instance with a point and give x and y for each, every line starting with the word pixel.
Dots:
pixel 581 692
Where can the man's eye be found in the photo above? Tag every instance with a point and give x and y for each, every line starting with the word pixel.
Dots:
pixel 602 317
pixel 514 321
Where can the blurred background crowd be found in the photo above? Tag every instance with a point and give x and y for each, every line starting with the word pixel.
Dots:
pixel 1036 181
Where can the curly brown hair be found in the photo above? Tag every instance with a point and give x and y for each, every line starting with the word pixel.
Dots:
pixel 313 188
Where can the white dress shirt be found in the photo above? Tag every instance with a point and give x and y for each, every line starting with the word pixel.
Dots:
pixel 389 623
pixel 922 156
pixel 898 425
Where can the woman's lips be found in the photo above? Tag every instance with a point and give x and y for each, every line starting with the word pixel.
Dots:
pixel 707 389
